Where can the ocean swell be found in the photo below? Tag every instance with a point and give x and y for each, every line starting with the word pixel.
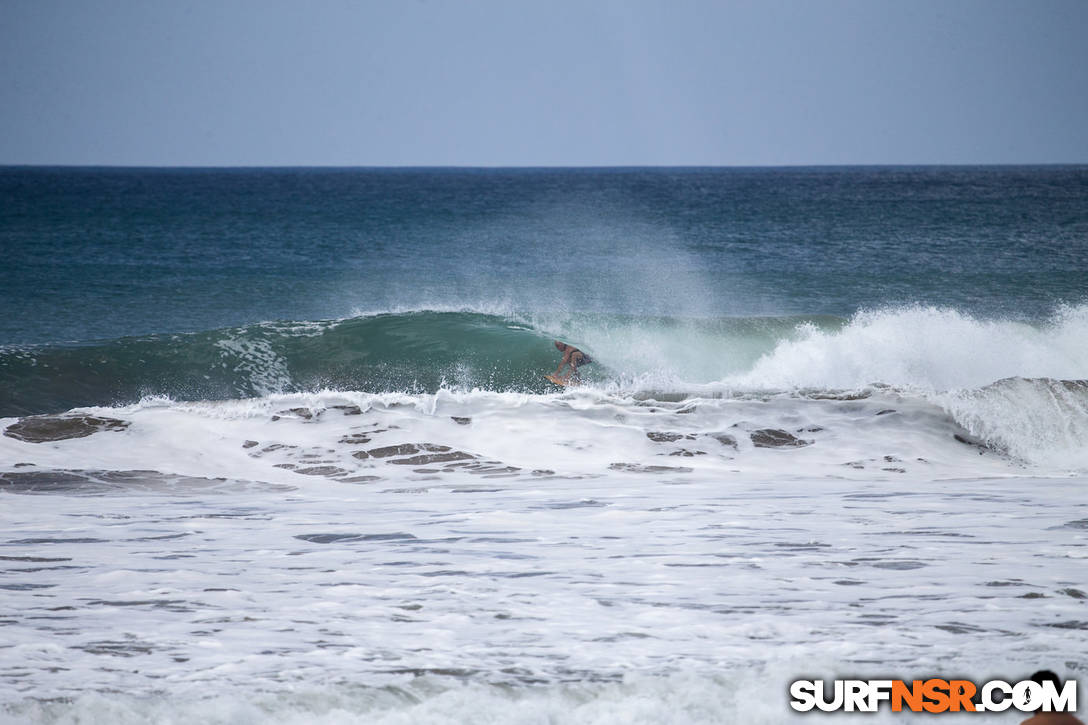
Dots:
pixel 1014 386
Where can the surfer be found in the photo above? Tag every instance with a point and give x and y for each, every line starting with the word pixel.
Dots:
pixel 573 357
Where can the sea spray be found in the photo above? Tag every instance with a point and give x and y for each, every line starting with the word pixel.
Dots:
pixel 924 348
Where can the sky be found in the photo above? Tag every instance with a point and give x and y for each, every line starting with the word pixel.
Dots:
pixel 556 83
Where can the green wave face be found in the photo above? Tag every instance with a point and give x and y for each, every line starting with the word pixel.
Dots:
pixel 396 352
pixel 420 351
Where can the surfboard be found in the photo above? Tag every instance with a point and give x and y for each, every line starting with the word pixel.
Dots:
pixel 556 380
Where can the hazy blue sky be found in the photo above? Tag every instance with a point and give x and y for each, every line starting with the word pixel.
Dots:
pixel 501 82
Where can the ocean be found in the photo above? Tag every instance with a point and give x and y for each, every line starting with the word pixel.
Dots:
pixel 277 445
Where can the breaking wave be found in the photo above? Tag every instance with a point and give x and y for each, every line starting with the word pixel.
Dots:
pixel 1016 387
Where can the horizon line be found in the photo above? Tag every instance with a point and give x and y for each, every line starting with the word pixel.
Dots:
pixel 529 167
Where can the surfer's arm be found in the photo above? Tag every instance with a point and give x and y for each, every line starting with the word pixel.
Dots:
pixel 564 361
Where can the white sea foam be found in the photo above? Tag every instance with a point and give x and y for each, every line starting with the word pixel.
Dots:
pixel 573 569
pixel 1039 420
pixel 742 695
pixel 581 433
pixel 926 348
pixel 955 361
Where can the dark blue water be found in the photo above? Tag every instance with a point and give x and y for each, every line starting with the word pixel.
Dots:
pixel 206 284
pixel 104 253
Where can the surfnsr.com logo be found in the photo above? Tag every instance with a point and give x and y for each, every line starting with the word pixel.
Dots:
pixel 932 695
